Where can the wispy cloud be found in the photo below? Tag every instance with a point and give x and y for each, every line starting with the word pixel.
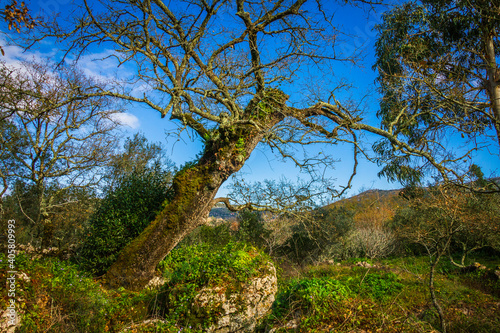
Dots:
pixel 127 119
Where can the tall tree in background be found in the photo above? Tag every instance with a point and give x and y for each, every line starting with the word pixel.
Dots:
pixel 439 76
pixel 138 155
pixel 54 138
pixel 138 185
pixel 224 69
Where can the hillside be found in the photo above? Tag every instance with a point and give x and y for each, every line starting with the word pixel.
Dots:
pixel 372 207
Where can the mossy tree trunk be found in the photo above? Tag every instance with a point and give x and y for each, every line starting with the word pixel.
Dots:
pixel 195 187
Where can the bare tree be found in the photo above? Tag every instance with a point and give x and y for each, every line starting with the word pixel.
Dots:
pixel 52 135
pixel 446 214
pixel 223 69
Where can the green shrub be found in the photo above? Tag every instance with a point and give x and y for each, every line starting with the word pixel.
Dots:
pixel 381 285
pixel 251 229
pixel 60 298
pixel 217 236
pixel 121 216
pixel 313 297
pixel 188 269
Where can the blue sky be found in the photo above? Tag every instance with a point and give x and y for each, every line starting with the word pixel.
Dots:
pixel 262 164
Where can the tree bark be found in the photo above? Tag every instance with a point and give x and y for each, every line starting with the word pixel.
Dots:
pixel 493 73
pixel 194 190
pixel 434 299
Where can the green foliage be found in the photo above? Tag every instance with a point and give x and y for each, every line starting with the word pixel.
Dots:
pixel 319 297
pixel 68 209
pixel 188 269
pixel 61 298
pixel 427 53
pixel 217 236
pixel 251 229
pixel 381 285
pixel 312 295
pixel 137 156
pixel 474 219
pixel 121 216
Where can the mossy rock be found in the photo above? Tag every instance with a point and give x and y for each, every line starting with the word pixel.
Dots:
pixel 218 290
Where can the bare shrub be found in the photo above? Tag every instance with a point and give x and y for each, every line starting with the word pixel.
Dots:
pixel 371 242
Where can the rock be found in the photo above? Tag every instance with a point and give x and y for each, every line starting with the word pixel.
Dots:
pixel 10 320
pixel 26 248
pixel 23 276
pixel 365 264
pixel 155 283
pixel 239 310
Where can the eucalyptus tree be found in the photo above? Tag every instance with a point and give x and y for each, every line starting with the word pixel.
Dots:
pixel 52 139
pixel 439 77
pixel 232 72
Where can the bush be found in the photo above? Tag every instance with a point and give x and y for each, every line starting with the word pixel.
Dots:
pixel 54 296
pixel 314 235
pixel 70 208
pixel 365 242
pixel 251 229
pixel 381 285
pixel 217 236
pixel 121 216
pixel 188 269
pixel 309 296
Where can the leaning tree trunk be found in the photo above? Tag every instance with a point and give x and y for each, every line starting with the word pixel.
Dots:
pixel 194 190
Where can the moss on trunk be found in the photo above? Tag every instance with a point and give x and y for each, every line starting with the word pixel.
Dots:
pixel 226 150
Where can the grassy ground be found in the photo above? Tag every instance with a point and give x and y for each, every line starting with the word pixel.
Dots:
pixel 392 296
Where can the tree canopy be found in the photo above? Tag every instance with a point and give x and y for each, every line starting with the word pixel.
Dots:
pixel 439 77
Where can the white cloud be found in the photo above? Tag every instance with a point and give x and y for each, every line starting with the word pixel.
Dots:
pixel 14 55
pixel 127 119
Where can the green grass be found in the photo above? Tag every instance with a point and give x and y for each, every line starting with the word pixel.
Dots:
pixel 393 297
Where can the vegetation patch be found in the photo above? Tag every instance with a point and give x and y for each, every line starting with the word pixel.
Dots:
pixel 191 268
pixel 55 296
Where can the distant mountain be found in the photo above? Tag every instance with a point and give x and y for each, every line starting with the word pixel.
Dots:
pixel 222 213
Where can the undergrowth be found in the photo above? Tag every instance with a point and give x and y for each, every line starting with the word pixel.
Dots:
pixel 56 296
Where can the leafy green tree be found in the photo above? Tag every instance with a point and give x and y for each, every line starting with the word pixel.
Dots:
pixel 439 76
pixel 136 157
pixel 317 233
pixel 251 228
pixel 67 219
pixel 126 210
